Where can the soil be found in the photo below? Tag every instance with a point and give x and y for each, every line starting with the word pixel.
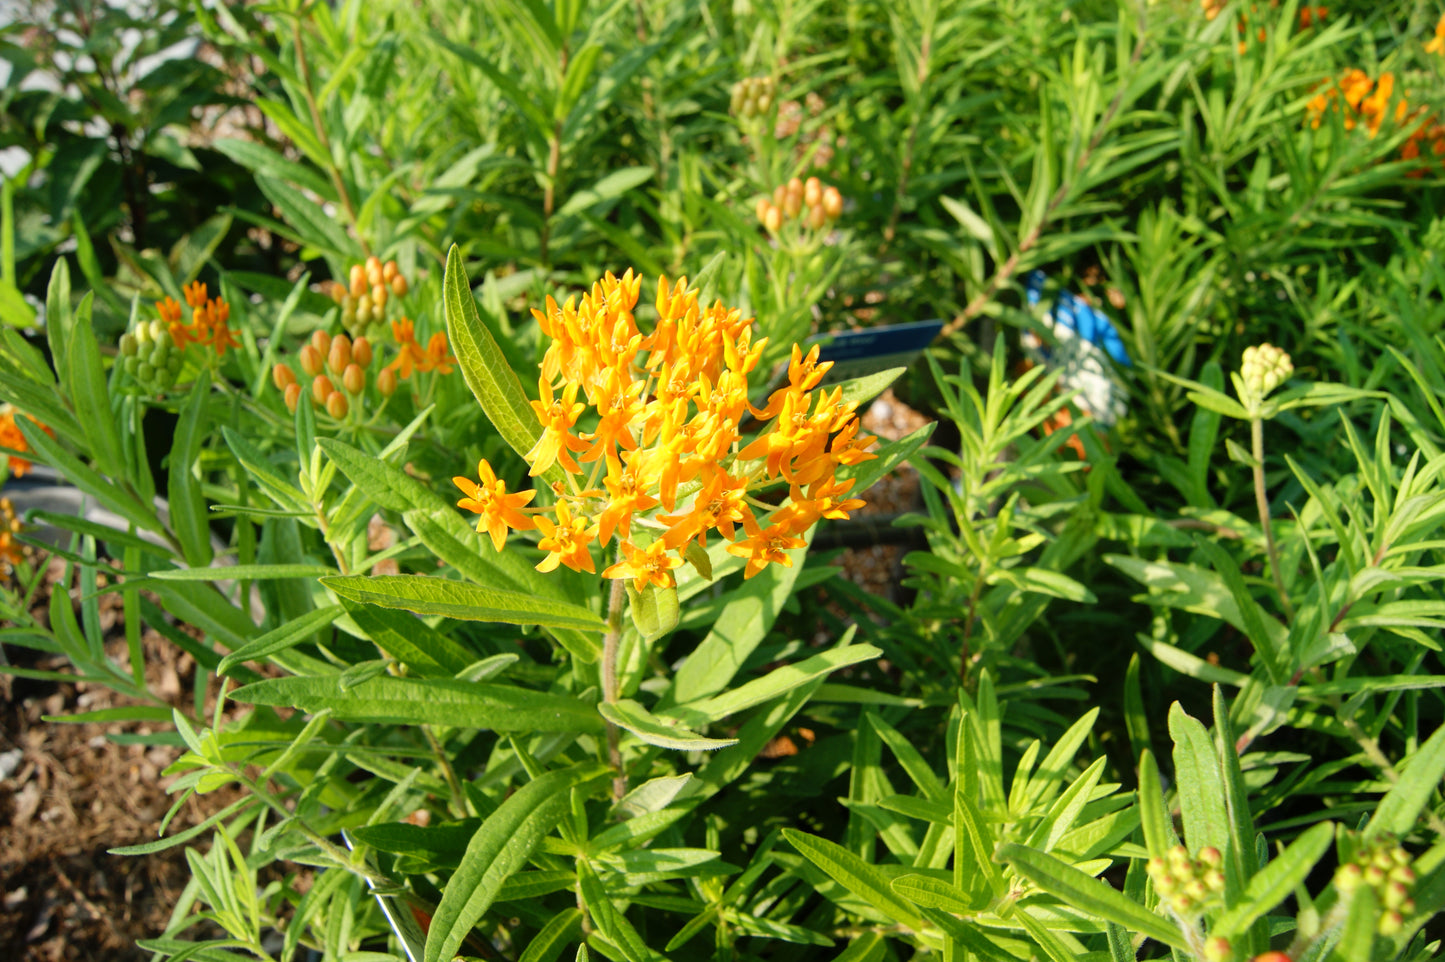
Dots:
pixel 68 794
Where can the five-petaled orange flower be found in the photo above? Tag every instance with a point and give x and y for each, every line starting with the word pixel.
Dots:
pixel 498 509
pixel 209 320
pixel 646 429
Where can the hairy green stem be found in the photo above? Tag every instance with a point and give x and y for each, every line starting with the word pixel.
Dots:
pixel 610 644
pixel 1261 500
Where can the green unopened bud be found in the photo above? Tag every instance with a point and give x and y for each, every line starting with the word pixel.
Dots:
pixel 1394 895
pixel 1218 949
pixel 1374 876
pixel 1179 860
pixel 1402 873
pixel 1400 856
pixel 128 346
pixel 146 372
pixel 131 365
pixel 1211 856
pixel 1197 890
pixel 1391 922
pixel 1214 881
pixel 1349 877
pixel 1265 368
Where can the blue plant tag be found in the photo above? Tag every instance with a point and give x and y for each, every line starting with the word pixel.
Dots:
pixel 860 353
pixel 1087 346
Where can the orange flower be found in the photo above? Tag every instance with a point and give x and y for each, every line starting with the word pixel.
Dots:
pixel 498 509
pixel 566 541
pixel 13 438
pixel 557 415
pixel 765 546
pixel 435 357
pixel 1437 42
pixel 12 552
pixel 668 407
pixel 645 564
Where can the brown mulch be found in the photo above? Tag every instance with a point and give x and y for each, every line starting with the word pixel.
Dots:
pixel 67 794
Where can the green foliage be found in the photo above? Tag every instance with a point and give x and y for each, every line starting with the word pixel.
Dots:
pixel 1165 681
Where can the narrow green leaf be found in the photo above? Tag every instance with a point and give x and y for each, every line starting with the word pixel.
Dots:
pixel 501 846
pixel 485 369
pixel 429 701
pixel 1274 883
pixel 934 893
pixel 1196 769
pixel 411 641
pixel 775 683
pixel 1082 891
pixel 857 876
pixel 244 573
pixel 188 506
pixel 286 636
pixel 662 732
pixel 563 929
pixel 456 599
pixel 1419 779
pixel 387 485
pixel 654 610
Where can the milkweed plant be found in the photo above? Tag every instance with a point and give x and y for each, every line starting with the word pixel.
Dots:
pixel 484 415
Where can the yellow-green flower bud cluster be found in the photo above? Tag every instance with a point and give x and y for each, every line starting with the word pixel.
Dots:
pixel 753 97
pixel 369 289
pixel 149 355
pixel 808 202
pixel 1218 949
pixel 326 360
pixel 1189 885
pixel 1265 368
pixel 1385 867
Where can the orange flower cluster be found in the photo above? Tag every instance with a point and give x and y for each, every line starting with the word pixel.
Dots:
pixel 413 357
pixel 12 438
pixel 808 202
pixel 12 552
pixel 1437 42
pixel 1432 131
pixel 209 318
pixel 1365 100
pixel 667 437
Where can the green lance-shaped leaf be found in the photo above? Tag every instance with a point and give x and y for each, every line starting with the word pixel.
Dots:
pixel 654 610
pixel 86 384
pixel 1403 804
pixel 410 640
pixel 286 636
pixel 456 599
pixel 662 732
pixel 380 480
pixel 485 368
pixel 1082 891
pixel 857 876
pixel 187 504
pixel 428 701
pixel 1196 766
pixel 775 683
pixel 1274 883
pixel 501 846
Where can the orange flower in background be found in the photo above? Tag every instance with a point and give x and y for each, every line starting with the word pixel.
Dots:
pixel 412 357
pixel 12 438
pixel 12 552
pixel 1437 42
pixel 666 408
pixel 1365 100
pixel 209 320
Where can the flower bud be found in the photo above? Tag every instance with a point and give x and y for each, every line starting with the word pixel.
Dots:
pixel 363 308
pixel 373 269
pixel 761 209
pixel 774 221
pixel 1394 895
pixel 1391 922
pixel 386 382
pixel 354 380
pixel 282 376
pixel 793 203
pixel 817 218
pixel 361 352
pixel 1271 957
pixel 1218 949
pixel 128 345
pixel 321 341
pixel 1264 368
pixel 146 372
pixel 765 103
pixel 813 192
pixel 780 196
pixel 1197 890
pixel 378 296
pixel 1374 877
pixel 1211 856
pixel 358 280
pixel 1214 880
pixel 340 354
pixel 293 396
pixel 1402 873
pixel 322 388
pixel 388 271
pixel 337 406
pixel 399 286
pixel 311 362
pixel 1348 877
pixel 832 203
pixel 1179 859
pixel 336 290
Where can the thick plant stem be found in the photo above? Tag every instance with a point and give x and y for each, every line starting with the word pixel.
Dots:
pixel 1261 500
pixel 610 643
